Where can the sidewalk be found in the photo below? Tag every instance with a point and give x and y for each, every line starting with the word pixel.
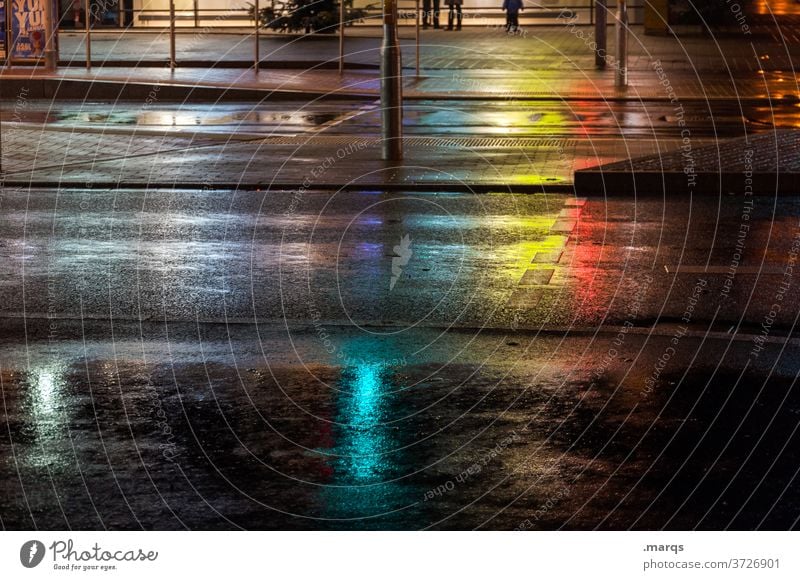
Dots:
pixel 767 164
pixel 550 62
pixel 555 64
pixel 540 47
pixel 43 157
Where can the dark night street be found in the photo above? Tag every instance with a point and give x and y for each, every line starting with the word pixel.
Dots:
pixel 570 304
pixel 213 361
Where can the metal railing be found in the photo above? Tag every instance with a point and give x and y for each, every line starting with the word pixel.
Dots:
pixel 197 17
pixel 409 16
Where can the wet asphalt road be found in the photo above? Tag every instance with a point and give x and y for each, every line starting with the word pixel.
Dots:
pixel 187 359
pixel 395 260
pixel 215 427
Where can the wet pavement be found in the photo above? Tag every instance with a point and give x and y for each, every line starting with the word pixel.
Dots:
pixel 497 118
pixel 564 45
pixel 262 256
pixel 232 314
pixel 364 360
pixel 488 145
pixel 217 427
pixel 480 62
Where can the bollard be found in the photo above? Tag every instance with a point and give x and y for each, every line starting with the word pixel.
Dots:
pixel 391 85
pixel 621 76
pixel 600 32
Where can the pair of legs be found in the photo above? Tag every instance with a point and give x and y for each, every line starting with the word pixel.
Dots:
pixel 455 12
pixel 430 15
pixel 512 21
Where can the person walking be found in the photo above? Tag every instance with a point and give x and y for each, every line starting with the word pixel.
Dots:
pixel 429 15
pixel 454 13
pixel 512 8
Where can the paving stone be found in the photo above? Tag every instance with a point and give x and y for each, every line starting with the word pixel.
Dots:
pixel 536 277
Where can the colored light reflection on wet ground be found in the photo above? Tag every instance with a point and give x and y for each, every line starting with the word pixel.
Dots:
pixel 44 396
pixel 367 455
pixel 362 435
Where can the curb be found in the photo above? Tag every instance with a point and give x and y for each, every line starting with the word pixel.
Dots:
pixel 761 164
pixel 420 187
pixel 39 87
pixel 639 184
pixel 91 89
pixel 224 64
pixel 605 187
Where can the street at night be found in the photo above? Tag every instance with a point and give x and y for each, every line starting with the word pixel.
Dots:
pixel 218 361
pixel 533 277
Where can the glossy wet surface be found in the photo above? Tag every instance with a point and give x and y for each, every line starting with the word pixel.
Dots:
pixel 518 118
pixel 469 260
pixel 202 359
pixel 292 358
pixel 222 428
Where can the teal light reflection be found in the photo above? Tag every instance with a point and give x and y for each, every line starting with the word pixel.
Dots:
pixel 363 439
pixel 366 488
pixel 370 483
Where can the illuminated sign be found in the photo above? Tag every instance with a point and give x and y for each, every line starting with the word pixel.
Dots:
pixel 2 29
pixel 27 28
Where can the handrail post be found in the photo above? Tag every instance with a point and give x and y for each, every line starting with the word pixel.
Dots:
pixel 256 36
pixel 621 76
pixel 87 24
pixel 49 32
pixel 341 36
pixel 172 60
pixel 417 38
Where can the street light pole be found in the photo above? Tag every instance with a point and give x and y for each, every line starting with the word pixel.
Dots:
pixel 391 85
pixel 621 76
